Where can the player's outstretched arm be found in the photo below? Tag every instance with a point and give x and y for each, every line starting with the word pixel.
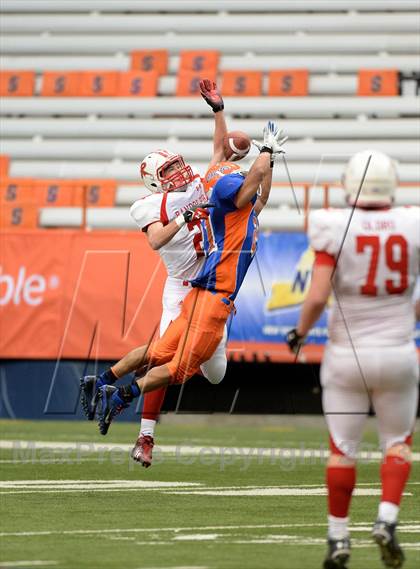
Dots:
pixel 211 94
pixel 253 179
pixel 265 189
pixel 270 147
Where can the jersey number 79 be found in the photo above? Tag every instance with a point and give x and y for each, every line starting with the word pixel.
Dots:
pixel 395 250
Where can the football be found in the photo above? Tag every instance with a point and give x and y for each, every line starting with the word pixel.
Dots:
pixel 236 145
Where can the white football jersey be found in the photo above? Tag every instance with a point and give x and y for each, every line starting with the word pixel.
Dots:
pixel 377 268
pixel 183 255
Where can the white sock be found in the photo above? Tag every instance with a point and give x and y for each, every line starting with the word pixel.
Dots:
pixel 338 527
pixel 388 512
pixel 147 427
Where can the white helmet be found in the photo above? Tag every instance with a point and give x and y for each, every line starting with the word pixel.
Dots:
pixel 153 171
pixel 380 181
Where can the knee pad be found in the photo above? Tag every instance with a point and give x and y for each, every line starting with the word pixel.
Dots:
pixel 398 446
pixel 347 449
pixel 215 373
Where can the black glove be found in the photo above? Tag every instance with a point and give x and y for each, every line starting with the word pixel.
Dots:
pixel 211 95
pixel 295 341
pixel 196 213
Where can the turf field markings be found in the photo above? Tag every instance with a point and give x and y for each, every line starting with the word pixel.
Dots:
pixel 32 563
pixel 52 486
pixel 60 461
pixel 118 531
pixel 402 529
pixel 284 491
pixel 197 537
pixel 69 486
pixel 188 450
pixel 139 483
pixel 178 567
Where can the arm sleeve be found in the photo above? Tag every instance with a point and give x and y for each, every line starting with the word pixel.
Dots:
pixel 146 211
pixel 225 191
pixel 322 232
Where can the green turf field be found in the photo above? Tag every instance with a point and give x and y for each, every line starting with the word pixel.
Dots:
pixel 219 496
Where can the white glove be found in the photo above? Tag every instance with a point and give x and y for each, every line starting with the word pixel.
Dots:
pixel 272 139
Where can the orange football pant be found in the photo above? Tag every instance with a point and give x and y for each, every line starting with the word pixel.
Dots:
pixel 192 338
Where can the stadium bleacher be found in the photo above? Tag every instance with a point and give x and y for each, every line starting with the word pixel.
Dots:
pixel 91 87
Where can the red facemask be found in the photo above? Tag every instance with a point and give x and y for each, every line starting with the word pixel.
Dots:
pixel 178 179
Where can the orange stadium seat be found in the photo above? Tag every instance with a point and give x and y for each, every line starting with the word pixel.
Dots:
pixel 97 193
pixel 288 83
pixel 51 193
pixel 4 165
pixel 150 60
pixel 241 83
pixel 13 216
pixel 137 84
pixel 188 82
pixel 378 83
pixel 17 83
pixel 199 61
pixel 60 83
pixel 17 191
pixel 98 84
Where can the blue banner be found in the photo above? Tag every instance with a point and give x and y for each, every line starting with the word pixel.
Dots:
pixel 274 288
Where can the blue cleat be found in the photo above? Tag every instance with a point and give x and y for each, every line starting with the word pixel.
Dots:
pixel 89 387
pixel 110 404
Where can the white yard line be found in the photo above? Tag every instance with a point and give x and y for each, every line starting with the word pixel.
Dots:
pixel 176 530
pixel 75 486
pixel 177 488
pixel 31 563
pixel 226 453
pixel 291 491
pixel 88 483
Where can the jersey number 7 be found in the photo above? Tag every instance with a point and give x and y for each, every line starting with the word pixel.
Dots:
pixel 396 259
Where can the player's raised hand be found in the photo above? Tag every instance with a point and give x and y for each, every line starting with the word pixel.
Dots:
pixel 273 139
pixel 211 95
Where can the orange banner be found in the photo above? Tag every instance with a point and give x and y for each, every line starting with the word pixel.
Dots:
pixel 68 294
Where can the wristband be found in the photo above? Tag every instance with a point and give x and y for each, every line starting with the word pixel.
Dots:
pixel 180 221
pixel 266 149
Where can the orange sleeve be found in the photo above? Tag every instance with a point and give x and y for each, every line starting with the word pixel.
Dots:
pixel 324 258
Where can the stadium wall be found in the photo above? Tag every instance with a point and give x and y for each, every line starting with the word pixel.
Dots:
pixel 33 389
pixel 72 300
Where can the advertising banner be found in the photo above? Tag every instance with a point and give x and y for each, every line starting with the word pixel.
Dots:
pixel 270 300
pixel 66 294
pixel 97 295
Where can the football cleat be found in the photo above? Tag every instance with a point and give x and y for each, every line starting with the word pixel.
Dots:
pixel 338 553
pixel 110 404
pixel 384 535
pixel 89 386
pixel 142 450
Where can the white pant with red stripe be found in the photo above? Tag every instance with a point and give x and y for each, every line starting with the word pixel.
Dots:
pixel 386 377
pixel 174 292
